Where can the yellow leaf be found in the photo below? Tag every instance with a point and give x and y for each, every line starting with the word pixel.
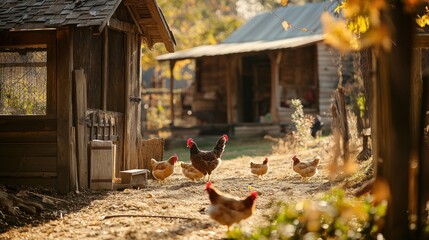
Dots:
pixel 338 35
pixel 284 2
pixel 285 25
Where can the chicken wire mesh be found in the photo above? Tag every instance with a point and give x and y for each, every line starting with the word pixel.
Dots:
pixel 23 81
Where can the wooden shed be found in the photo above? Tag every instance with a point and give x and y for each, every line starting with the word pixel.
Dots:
pixel 70 74
pixel 251 77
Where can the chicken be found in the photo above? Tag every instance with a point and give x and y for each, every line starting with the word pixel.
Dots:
pixel 228 210
pixel 259 169
pixel 206 161
pixel 306 169
pixel 163 169
pixel 190 172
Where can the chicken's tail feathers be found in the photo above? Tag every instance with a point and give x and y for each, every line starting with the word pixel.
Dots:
pixel 317 159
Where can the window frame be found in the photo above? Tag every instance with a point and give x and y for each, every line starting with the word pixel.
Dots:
pixel 33 40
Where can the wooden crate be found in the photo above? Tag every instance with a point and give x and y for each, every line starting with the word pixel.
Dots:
pixel 152 148
pixel 102 164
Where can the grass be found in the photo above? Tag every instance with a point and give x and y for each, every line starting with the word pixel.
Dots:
pixel 235 147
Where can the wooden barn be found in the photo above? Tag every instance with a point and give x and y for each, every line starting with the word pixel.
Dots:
pixel 251 77
pixel 70 74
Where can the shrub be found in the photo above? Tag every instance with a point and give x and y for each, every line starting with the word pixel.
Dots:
pixel 332 216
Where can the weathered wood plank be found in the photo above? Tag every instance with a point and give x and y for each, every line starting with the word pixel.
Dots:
pixel 17 124
pixel 64 101
pixel 26 38
pixel 29 181
pixel 27 164
pixel 29 174
pixel 74 168
pixel 102 163
pixel 28 149
pixel 81 140
pixel 28 137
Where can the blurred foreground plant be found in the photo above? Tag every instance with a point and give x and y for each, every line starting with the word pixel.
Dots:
pixel 331 216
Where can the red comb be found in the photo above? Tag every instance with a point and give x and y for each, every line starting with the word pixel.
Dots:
pixel 189 140
pixel 226 137
pixel 254 195
pixel 266 158
pixel 208 185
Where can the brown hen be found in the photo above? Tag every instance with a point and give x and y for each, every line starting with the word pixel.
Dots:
pixel 228 210
pixel 163 169
pixel 190 172
pixel 206 161
pixel 306 168
pixel 259 169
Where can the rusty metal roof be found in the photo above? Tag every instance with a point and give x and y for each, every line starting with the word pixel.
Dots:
pixel 232 48
pixel 265 32
pixel 50 14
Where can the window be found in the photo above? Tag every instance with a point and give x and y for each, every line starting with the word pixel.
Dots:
pixel 23 81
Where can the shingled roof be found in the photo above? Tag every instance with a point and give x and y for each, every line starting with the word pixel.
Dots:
pixel 51 14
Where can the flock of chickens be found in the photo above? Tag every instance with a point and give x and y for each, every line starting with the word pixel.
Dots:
pixel 225 209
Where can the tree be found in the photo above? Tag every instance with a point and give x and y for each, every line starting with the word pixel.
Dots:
pixel 389 29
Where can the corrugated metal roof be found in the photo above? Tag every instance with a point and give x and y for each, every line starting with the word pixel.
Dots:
pixel 268 27
pixel 231 48
pixel 265 32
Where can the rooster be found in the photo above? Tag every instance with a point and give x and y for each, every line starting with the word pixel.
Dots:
pixel 206 161
pixel 305 169
pixel 228 210
pixel 190 172
pixel 163 169
pixel 259 169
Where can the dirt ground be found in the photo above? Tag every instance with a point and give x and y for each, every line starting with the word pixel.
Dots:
pixel 178 206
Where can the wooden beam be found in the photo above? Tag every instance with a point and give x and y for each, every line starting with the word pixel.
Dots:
pixel 64 107
pixel 105 68
pixel 135 19
pixel 162 25
pixel 421 41
pixel 391 125
pixel 81 139
pixel 119 25
pixel 172 63
pixel 275 58
pixel 229 72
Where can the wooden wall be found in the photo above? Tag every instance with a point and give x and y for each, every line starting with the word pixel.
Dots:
pixel 298 79
pixel 328 77
pixel 29 144
pixel 209 99
pixel 88 55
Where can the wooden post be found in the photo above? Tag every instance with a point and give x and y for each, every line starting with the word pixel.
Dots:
pixel 105 68
pixel 275 59
pixel 64 106
pixel 82 142
pixel 391 120
pixel 423 174
pixel 229 73
pixel 172 63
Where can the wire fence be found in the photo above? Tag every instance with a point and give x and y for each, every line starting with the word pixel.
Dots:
pixel 23 81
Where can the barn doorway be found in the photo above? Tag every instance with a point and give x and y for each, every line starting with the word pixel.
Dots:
pixel 256 87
